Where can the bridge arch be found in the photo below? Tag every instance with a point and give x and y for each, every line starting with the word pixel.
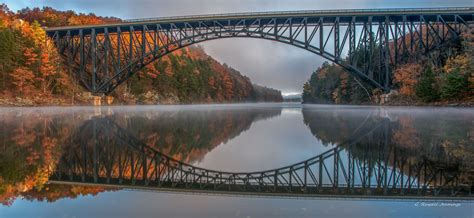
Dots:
pixel 156 55
pixel 367 43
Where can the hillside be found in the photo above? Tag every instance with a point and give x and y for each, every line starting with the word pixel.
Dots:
pixel 421 81
pixel 32 72
pixel 191 76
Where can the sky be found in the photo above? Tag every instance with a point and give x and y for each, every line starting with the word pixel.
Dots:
pixel 267 63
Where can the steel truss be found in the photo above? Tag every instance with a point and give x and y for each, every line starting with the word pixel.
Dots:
pixel 368 45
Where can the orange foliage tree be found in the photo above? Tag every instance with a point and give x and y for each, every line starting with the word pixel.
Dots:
pixel 407 77
pixel 23 79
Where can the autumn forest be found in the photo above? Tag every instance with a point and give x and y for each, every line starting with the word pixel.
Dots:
pixel 32 72
pixel 444 77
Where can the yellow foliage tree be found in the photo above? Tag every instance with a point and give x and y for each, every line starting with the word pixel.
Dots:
pixel 47 73
pixel 461 62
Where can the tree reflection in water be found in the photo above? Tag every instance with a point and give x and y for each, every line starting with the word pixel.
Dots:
pixel 34 141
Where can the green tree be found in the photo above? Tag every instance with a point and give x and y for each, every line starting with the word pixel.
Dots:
pixel 454 85
pixel 9 53
pixel 425 89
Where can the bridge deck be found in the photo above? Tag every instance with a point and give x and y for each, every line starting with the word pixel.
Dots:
pixel 280 14
pixel 325 192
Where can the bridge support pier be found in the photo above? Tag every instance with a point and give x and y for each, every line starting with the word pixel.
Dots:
pixel 96 100
pixel 109 100
pixel 99 100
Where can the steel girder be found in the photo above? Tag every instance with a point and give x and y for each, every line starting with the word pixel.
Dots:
pixel 368 46
pixel 116 157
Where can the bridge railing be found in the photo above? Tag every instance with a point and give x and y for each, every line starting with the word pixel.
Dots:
pixel 322 12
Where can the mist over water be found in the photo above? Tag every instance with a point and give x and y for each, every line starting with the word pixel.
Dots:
pixel 231 138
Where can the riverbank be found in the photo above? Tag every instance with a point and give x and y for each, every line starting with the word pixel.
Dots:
pixel 89 100
pixel 39 101
pixel 64 103
pixel 468 102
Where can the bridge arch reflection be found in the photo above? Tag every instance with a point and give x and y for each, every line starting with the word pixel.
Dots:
pixel 114 156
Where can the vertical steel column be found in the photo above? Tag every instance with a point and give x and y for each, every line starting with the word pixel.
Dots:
pixel 387 54
pixel 349 169
pixel 402 176
pixel 321 36
pixel 385 173
pixel 395 41
pixel 320 176
pixel 369 176
pixel 365 46
pixel 132 168
pixel 305 185
pixel 119 48
pixel 95 155
pixel 290 179
pixel 275 28
pixel 70 53
pixel 158 170
pixel 443 29
pixel 371 50
pixel 275 181
pixel 337 53
pixel 405 52
pixel 144 29
pixel 336 170
pixel 441 40
pixel 427 34
pixel 84 162
pixel 81 56
pixel 353 172
pixel 144 167
pixel 130 47
pixel 290 24
pixel 352 40
pixel 306 43
pixel 120 168
pixel 412 38
pixel 106 48
pixel 381 52
pixel 420 32
pixel 94 61
pixel 394 167
pixel 155 39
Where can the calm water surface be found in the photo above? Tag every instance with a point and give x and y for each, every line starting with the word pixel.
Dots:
pixel 233 138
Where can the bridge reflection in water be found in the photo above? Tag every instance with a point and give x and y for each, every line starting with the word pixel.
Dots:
pixel 114 156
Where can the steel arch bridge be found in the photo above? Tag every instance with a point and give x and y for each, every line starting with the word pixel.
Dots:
pixel 367 43
pixel 114 157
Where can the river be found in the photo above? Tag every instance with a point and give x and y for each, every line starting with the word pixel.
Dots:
pixel 49 152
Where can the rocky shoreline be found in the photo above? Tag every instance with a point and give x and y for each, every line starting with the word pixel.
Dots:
pixel 395 99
